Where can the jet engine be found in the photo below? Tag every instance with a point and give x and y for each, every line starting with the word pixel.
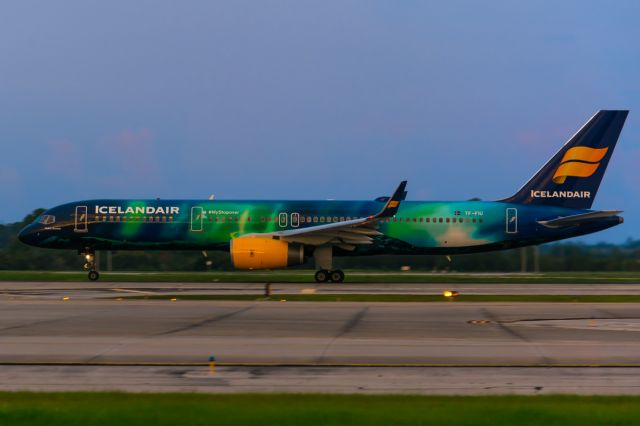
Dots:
pixel 264 253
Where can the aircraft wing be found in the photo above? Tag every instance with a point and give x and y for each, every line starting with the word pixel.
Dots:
pixel 578 218
pixel 346 234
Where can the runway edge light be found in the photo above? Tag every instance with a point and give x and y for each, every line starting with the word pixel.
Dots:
pixel 212 365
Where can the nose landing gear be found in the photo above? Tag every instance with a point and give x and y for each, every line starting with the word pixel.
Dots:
pixel 90 265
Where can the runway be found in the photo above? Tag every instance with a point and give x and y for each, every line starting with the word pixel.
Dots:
pixel 319 332
pixel 307 346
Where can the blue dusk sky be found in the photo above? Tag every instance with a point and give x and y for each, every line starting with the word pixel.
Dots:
pixel 309 100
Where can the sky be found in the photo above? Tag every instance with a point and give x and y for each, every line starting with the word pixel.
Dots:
pixel 309 100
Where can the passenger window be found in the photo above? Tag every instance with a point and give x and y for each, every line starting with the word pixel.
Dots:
pixel 315 219
pixel 440 220
pixel 322 219
pixel 447 220
pixel 474 220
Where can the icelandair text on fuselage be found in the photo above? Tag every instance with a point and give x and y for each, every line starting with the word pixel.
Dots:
pixel 137 210
pixel 560 194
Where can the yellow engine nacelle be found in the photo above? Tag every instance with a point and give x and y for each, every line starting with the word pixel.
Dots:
pixel 264 253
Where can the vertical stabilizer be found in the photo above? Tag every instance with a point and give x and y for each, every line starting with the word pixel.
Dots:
pixel 572 177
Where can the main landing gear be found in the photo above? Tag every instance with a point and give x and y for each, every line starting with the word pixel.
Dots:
pixel 90 265
pixel 323 256
pixel 323 276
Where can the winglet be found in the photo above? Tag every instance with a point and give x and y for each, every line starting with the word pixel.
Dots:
pixel 393 204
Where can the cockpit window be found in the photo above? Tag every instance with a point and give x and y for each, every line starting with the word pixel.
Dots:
pixel 47 219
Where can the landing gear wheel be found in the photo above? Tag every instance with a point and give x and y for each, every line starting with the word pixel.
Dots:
pixel 322 276
pixel 336 276
pixel 94 275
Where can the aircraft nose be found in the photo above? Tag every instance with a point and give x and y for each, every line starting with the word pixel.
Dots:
pixel 27 235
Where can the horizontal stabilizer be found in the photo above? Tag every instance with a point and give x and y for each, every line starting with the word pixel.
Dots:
pixel 578 218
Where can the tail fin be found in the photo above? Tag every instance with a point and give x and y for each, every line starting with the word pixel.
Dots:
pixel 572 177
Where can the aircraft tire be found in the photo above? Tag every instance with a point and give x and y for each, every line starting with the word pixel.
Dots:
pixel 322 276
pixel 93 275
pixel 336 276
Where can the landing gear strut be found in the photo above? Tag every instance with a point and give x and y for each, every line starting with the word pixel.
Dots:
pixel 90 265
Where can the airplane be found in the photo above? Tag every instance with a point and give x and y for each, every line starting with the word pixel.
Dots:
pixel 553 205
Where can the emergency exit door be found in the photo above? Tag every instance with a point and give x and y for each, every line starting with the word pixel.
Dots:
pixel 512 221
pixel 197 219
pixel 81 219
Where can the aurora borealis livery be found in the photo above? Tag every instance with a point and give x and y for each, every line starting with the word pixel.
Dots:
pixel 555 204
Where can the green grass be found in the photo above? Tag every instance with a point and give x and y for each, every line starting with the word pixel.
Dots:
pixel 89 409
pixel 306 276
pixel 398 298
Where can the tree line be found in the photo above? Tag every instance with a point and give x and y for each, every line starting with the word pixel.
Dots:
pixel 564 256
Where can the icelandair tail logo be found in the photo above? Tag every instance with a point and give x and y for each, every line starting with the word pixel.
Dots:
pixel 579 161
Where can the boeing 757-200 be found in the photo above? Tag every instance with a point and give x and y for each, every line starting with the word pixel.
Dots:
pixel 554 204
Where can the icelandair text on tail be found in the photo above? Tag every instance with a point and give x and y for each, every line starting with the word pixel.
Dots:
pixel 560 194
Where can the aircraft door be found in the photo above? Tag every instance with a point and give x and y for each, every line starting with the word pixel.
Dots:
pixel 197 219
pixel 295 220
pixel 81 219
pixel 282 220
pixel 512 221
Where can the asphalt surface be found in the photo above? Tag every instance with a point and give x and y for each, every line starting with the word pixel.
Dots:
pixel 448 347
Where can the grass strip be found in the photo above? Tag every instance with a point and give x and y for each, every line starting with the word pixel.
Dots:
pixel 89 409
pixel 304 276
